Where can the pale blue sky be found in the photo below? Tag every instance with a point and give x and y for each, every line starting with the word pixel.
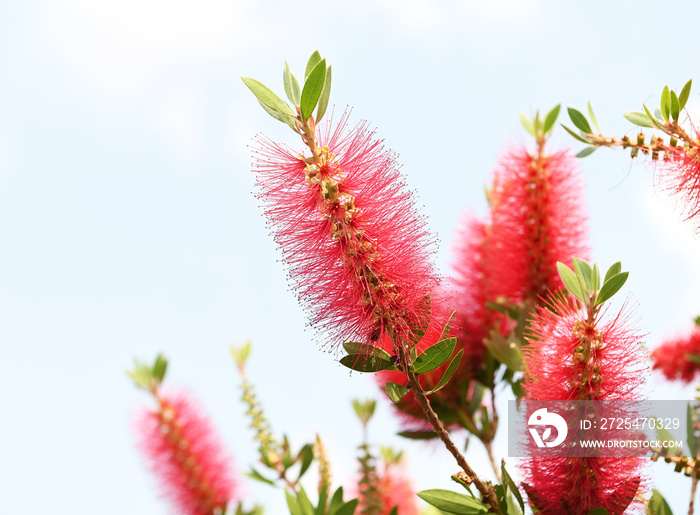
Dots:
pixel 128 225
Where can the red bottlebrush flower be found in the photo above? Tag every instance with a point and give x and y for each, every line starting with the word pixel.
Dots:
pixel 186 455
pixel 537 219
pixel 681 176
pixel 358 253
pixel 671 358
pixel 571 356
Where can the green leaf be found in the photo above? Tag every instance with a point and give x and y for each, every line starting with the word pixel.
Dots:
pixel 366 349
pixel 504 350
pixel 348 508
pixel 448 325
pixel 596 277
pixel 638 118
pixel 576 136
pixel 665 103
pixel 325 96
pixel 284 118
pixel 585 271
pixel 654 121
pixel 569 279
pixel 306 454
pixel 292 504
pixel 692 439
pixel 159 368
pixel 675 106
pixel 267 97
pixel 614 269
pixel 513 487
pixel 254 474
pixel 693 358
pixel 311 64
pixel 579 120
pixel 419 328
pixel 364 410
pixel 598 511
pixel 453 502
pixel 336 501
pixel 611 287
pixel 528 125
pixel 658 505
pixel 395 392
pixel 322 500
pixel 434 356
pixel 418 435
pixel 304 503
pixel 590 113
pixel 364 363
pixel 586 152
pixel 685 94
pixel 551 118
pixel 312 89
pixel 291 85
pixel 451 369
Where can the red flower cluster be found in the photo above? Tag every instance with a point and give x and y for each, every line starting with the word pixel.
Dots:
pixel 537 219
pixel 681 176
pixel 183 451
pixel 359 255
pixel 574 356
pixel 671 358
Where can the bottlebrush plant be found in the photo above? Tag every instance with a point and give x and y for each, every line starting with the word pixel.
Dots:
pixel 515 318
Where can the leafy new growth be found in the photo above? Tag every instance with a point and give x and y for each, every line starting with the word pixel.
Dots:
pixel 583 281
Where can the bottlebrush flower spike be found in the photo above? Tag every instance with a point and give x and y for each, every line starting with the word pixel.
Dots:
pixel 359 255
pixel 575 353
pixel 537 219
pixel 672 357
pixel 186 456
pixel 681 176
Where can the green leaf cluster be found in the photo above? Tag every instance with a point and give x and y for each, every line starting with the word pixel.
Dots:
pixel 584 126
pixel 453 502
pixel 149 377
pixel 540 128
pixel 311 95
pixel 583 281
pixel 299 503
pixel 670 107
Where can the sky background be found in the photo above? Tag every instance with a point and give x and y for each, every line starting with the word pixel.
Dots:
pixel 128 226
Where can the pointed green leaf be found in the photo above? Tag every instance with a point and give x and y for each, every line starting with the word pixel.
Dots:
pixel 366 349
pixel 569 279
pixel 364 363
pixel 159 368
pixel 675 106
pixel 512 486
pixel 325 96
pixel 665 103
pixel 267 97
pixel 685 94
pixel 306 455
pixel 434 356
pixel 598 511
pixel 448 325
pixel 536 123
pixel 291 85
pixel 311 64
pixel 658 505
pixel 576 136
pixel 611 287
pixel 590 113
pixel 528 125
pixel 322 500
pixel 586 152
pixel 451 369
pixel 284 118
pixel 292 504
pixel 304 503
pixel 348 508
pixel 336 501
pixel 254 474
pixel 395 392
pixel 584 269
pixel 654 122
pixel 504 350
pixel 637 118
pixel 551 118
pixel 312 89
pixel 579 120
pixel 596 277
pixel 691 438
pixel 418 435
pixel 453 502
pixel 614 269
